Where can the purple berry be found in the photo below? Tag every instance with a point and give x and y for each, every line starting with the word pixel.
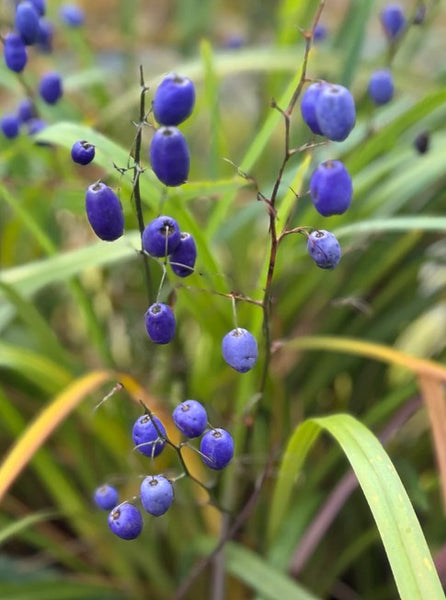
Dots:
pixel 169 156
pixel 26 110
pixel 125 521
pixel 72 15
pixel 15 53
pixel 148 435
pixel 217 448
pixel 324 249
pixel 381 86
pixel 161 236
pixel 308 106
pixel 82 152
pixel 335 112
pixel 27 22
pixel 174 100
pixel 191 418
pixel 160 323
pixel 40 6
pixel 104 212
pixel 320 33
pixel 10 125
pixel 50 87
pixel 156 494
pixel 393 20
pixel 182 259
pixel 239 349
pixel 331 188
pixel 106 497
pixel 45 36
pixel 35 126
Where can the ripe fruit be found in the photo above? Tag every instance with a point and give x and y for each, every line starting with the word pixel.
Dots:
pixel 106 497
pixel 35 126
pixel 15 52
pixel 27 22
pixel 147 434
pixel 324 249
pixel 239 349
pixel 174 100
pixel 191 418
pixel 182 259
pixel 72 15
pixel 50 87
pixel 169 156
pixel 335 112
pixel 104 212
pixel 320 33
pixel 82 152
pixel 40 6
pixel 26 110
pixel 156 494
pixel 331 188
pixel 45 36
pixel 308 106
pixel 9 125
pixel 393 20
pixel 381 86
pixel 161 236
pixel 125 521
pixel 217 448
pixel 422 141
pixel 160 323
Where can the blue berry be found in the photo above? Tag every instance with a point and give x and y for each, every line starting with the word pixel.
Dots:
pixel 174 100
pixel 308 106
pixel 50 87
pixel 104 212
pixel 335 112
pixel 45 36
pixel 36 125
pixel 146 437
pixel 26 110
pixel 191 418
pixel 331 188
pixel 393 20
pixel 82 152
pixel 161 236
pixel 106 497
pixel 381 86
pixel 10 125
pixel 182 259
pixel 320 33
pixel 125 521
pixel 40 6
pixel 239 349
pixel 217 448
pixel 156 494
pixel 169 156
pixel 15 53
pixel 324 249
pixel 72 15
pixel 27 22
pixel 160 323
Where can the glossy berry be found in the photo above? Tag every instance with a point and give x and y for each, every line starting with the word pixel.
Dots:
pixel 10 124
pixel 125 521
pixel 174 100
pixel 393 20
pixel 160 323
pixel 335 112
pixel 191 418
pixel 217 448
pixel 146 437
pixel 156 494
pixel 331 188
pixel 26 110
pixel 169 156
pixel 320 33
pixel 15 53
pixel 182 259
pixel 324 249
pixel 422 142
pixel 106 497
pixel 50 87
pixel 308 105
pixel 72 15
pixel 45 37
pixel 239 349
pixel 104 212
pixel 40 6
pixel 82 152
pixel 27 22
pixel 381 86
pixel 161 236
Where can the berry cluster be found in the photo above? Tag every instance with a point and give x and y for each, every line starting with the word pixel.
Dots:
pixel 156 492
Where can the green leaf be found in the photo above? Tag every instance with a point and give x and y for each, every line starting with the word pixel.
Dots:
pixel 400 531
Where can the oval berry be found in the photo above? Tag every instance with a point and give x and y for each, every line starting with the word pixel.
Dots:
pixel 324 249
pixel 182 259
pixel 169 156
pixel 27 22
pixel 15 53
pixel 160 323
pixel 45 37
pixel 156 494
pixel 10 124
pixel 40 6
pixel 104 212
pixel 331 188
pixel 381 86
pixel 106 497
pixel 174 100
pixel 393 20
pixel 50 87
pixel 239 349
pixel 308 106
pixel 161 236
pixel 217 448
pixel 190 418
pixel 82 152
pixel 125 521
pixel 148 434
pixel 72 15
pixel 335 112
pixel 26 110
